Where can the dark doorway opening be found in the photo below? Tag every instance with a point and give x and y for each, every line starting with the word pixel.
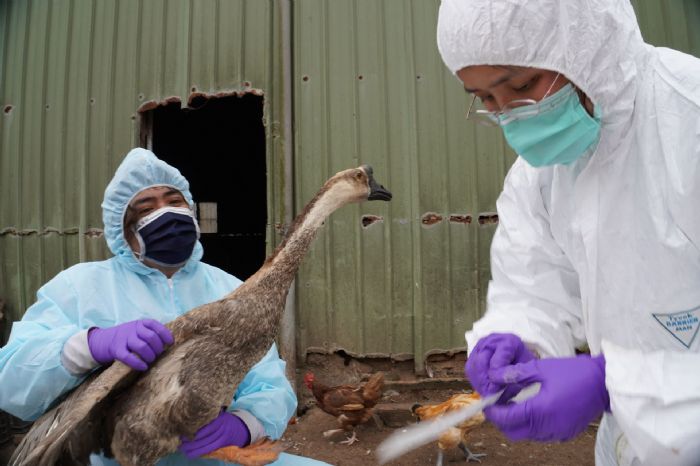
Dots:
pixel 218 144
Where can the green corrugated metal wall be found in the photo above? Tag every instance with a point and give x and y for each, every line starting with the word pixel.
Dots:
pixel 369 87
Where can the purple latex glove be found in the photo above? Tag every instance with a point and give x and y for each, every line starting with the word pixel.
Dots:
pixel 495 351
pixel 572 394
pixel 146 337
pixel 225 430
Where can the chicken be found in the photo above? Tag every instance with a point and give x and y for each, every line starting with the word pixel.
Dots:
pixel 351 405
pixel 454 437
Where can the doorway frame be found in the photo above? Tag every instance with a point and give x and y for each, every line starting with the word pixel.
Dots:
pixel 279 155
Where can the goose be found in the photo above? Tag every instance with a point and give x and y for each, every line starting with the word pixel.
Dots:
pixel 140 417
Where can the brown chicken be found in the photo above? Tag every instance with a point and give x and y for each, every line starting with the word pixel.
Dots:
pixel 454 437
pixel 351 405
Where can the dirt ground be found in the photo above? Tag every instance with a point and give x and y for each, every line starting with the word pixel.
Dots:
pixel 403 389
pixel 305 438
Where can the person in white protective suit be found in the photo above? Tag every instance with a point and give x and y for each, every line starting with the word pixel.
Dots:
pixel 598 242
pixel 97 312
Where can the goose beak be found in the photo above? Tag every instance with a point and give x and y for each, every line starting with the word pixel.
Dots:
pixel 377 192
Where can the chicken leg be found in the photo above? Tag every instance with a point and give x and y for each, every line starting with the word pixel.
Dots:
pixel 469 455
pixel 377 421
pixel 332 432
pixel 441 454
pixel 348 441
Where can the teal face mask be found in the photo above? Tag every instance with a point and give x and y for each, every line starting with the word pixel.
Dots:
pixel 556 130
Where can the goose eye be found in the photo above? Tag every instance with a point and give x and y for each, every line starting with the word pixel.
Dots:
pixel 358 175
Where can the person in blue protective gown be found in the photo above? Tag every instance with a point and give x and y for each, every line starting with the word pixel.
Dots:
pixel 96 312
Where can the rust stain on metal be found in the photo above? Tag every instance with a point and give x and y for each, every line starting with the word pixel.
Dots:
pixel 146 106
pixel 431 218
pixel 196 98
pixel 488 218
pixel 368 220
pixel 7 109
pixel 151 104
pixel 93 232
pixel 305 78
pixel 329 349
pixel 11 231
pixel 282 229
pixel 459 218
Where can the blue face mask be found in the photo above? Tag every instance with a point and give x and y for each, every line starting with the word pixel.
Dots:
pixel 556 130
pixel 167 236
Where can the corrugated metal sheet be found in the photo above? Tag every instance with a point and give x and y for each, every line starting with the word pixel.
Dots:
pixel 74 73
pixel 670 23
pixel 370 88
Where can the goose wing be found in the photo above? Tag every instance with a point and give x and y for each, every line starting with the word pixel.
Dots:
pixel 70 431
pixel 74 428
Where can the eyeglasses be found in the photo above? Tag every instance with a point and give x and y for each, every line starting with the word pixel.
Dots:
pixel 506 114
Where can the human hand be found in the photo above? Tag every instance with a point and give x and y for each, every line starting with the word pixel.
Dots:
pixel 146 337
pixel 225 430
pixel 572 394
pixel 495 351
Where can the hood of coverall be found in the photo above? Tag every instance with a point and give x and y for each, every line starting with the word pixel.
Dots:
pixel 139 170
pixel 595 43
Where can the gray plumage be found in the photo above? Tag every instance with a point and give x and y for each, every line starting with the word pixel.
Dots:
pixel 140 417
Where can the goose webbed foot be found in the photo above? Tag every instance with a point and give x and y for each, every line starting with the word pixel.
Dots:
pixel 262 452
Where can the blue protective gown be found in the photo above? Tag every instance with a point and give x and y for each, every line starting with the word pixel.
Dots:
pixel 119 290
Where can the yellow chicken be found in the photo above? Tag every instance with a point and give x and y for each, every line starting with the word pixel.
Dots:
pixel 454 437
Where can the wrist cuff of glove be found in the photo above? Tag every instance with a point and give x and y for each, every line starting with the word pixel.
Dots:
pixel 255 427
pixel 76 356
pixel 91 333
pixel 600 364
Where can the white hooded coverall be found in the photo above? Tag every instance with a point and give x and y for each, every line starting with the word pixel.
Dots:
pixel 606 250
